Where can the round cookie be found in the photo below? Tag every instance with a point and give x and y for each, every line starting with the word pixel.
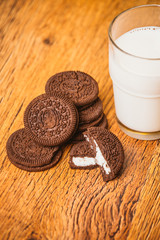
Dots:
pixel 78 86
pixel 50 120
pixel 23 150
pixel 103 123
pixel 75 127
pixel 79 135
pixel 84 126
pixel 80 108
pixel 82 156
pixel 53 162
pixel 110 151
pixel 91 113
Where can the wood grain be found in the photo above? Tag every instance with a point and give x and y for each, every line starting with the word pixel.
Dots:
pixel 37 40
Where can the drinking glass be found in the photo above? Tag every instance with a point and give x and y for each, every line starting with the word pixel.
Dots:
pixel 136 79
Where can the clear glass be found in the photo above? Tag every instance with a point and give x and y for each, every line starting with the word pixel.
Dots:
pixel 136 79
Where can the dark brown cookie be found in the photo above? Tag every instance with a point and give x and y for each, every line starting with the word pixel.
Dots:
pixel 79 135
pixel 55 159
pixel 81 88
pixel 91 113
pixel 84 126
pixel 82 156
pixel 103 123
pixel 75 128
pixel 50 120
pixel 23 150
pixel 80 108
pixel 109 151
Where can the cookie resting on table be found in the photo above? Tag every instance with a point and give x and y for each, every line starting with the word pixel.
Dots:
pixel 107 151
pixel 23 152
pixel 54 161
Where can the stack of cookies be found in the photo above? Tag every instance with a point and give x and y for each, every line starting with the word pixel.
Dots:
pixel 49 121
pixel 83 91
pixel 69 111
pixel 28 155
pixel 52 120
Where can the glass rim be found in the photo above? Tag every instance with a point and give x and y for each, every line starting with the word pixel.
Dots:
pixel 115 18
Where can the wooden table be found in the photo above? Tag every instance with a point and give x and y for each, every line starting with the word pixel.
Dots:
pixel 39 39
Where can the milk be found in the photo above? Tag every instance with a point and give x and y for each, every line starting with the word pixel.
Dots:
pixel 136 78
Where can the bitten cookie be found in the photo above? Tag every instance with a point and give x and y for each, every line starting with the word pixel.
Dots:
pixel 109 151
pixel 82 156
pixel 77 86
pixel 51 120
pixel 101 148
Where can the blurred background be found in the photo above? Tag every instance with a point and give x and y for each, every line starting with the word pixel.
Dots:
pixel 39 38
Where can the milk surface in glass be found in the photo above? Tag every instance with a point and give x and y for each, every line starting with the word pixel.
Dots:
pixel 136 79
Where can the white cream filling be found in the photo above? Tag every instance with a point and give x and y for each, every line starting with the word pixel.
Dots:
pixel 99 159
pixel 83 161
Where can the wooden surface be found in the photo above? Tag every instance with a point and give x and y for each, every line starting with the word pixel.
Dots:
pixel 38 39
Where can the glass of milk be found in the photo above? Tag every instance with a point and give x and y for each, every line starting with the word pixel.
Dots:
pixel 134 66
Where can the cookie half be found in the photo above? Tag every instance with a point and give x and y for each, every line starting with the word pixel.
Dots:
pixel 78 86
pixel 21 149
pixel 109 151
pixel 51 120
pixel 82 156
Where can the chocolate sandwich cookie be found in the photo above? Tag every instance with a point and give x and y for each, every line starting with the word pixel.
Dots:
pixel 109 151
pixel 55 159
pixel 21 149
pixel 78 86
pixel 82 156
pixel 91 113
pixel 84 126
pixel 74 132
pixel 103 123
pixel 81 108
pixel 79 135
pixel 51 120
